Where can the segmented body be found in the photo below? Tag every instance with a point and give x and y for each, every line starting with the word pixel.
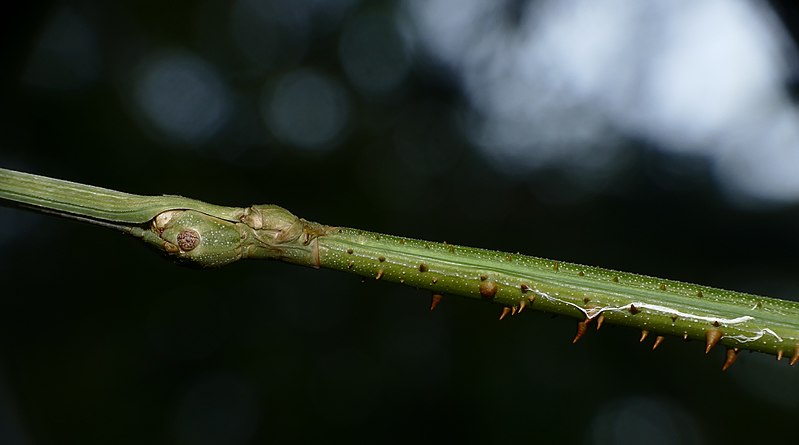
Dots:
pixel 207 235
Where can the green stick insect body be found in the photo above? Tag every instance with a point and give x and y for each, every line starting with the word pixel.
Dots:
pixel 207 235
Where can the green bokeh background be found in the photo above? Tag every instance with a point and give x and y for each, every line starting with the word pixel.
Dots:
pixel 102 341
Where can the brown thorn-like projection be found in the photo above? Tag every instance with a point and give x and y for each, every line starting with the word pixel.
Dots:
pixel 732 354
pixel 712 337
pixel 779 355
pixel 599 321
pixel 379 274
pixel 435 300
pixel 644 335
pixel 658 340
pixel 505 312
pixel 522 304
pixel 795 357
pixel 513 310
pixel 582 326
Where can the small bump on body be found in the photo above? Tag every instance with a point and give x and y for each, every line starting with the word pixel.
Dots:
pixel 188 240
pixel 488 289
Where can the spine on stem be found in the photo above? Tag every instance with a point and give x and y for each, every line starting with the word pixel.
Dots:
pixel 658 307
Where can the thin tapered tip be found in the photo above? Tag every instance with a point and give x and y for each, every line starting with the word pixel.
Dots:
pixel 795 357
pixel 732 354
pixel 435 300
pixel 779 355
pixel 644 335
pixel 582 326
pixel 505 312
pixel 599 321
pixel 522 305
pixel 658 340
pixel 712 337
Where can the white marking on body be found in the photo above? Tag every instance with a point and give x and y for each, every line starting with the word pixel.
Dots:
pixel 593 312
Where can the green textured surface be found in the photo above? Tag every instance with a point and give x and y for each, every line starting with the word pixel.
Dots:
pixel 657 305
pixel 96 202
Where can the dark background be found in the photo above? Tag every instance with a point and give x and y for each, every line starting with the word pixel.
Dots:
pixel 102 341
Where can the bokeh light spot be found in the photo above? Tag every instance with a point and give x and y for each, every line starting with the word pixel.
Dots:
pixel 263 36
pixel 636 420
pixel 306 110
pixel 66 55
pixel 182 97
pixel 373 54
